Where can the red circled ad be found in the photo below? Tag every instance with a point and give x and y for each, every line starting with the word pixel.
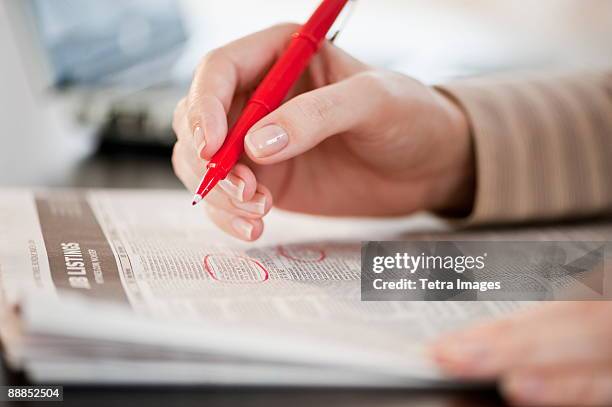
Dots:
pixel 251 271
pixel 302 253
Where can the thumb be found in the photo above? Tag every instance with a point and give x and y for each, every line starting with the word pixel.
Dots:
pixel 308 119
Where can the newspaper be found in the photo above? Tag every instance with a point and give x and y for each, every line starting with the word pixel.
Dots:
pixel 123 286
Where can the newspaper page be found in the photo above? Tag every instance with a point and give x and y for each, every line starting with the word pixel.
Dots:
pixel 148 274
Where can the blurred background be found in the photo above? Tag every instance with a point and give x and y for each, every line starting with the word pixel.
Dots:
pixel 87 87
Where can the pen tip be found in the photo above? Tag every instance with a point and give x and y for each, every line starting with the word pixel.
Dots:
pixel 196 200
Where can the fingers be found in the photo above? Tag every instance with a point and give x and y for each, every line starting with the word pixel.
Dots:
pixel 187 167
pixel 239 192
pixel 240 184
pixel 207 123
pixel 241 219
pixel 308 119
pixel 254 208
pixel 576 386
pixel 180 125
pixel 236 66
pixel 236 204
pixel 574 333
pixel 557 354
pixel 237 226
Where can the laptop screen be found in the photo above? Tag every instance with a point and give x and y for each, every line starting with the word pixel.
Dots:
pixel 88 41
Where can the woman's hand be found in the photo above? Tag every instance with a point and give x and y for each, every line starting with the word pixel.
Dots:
pixel 349 140
pixel 553 355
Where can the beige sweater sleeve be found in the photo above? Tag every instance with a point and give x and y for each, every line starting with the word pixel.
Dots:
pixel 543 145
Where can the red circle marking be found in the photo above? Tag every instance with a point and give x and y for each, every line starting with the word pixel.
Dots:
pixel 321 254
pixel 211 272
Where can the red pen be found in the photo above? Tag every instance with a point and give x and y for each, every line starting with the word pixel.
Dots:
pixel 272 90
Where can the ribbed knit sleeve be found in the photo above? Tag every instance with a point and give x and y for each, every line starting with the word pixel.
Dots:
pixel 543 145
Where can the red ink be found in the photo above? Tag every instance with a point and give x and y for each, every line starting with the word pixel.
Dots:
pixel 263 273
pixel 309 254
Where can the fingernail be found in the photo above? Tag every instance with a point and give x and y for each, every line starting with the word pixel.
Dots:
pixel 525 387
pixel 233 186
pixel 267 141
pixel 243 227
pixel 256 205
pixel 199 142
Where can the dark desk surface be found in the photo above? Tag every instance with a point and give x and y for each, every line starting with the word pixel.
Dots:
pixel 270 397
pixel 127 171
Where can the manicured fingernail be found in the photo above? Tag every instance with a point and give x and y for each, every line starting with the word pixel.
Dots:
pixel 243 227
pixel 233 186
pixel 525 387
pixel 199 142
pixel 256 205
pixel 267 141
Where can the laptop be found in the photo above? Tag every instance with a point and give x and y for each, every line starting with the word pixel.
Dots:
pixel 112 62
